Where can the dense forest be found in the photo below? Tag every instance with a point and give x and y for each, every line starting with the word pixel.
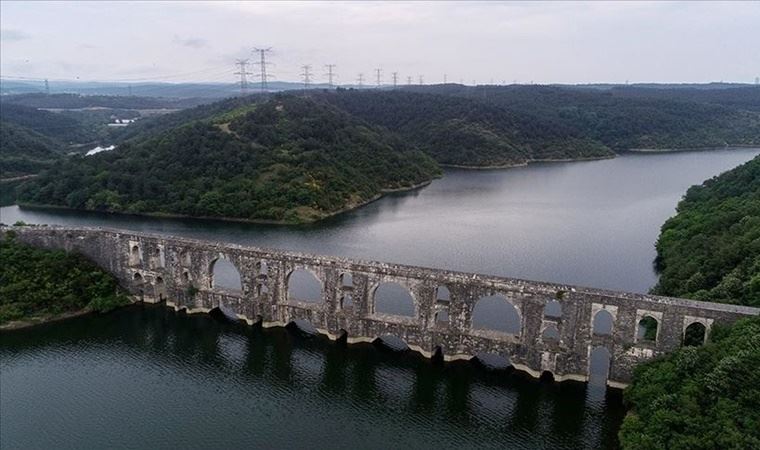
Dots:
pixel 710 250
pixel 635 118
pixel 290 159
pixel 37 284
pixel 698 397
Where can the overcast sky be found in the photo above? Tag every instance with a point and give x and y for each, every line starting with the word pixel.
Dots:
pixel 557 42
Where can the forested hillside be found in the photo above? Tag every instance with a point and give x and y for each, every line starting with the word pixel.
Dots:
pixel 698 397
pixel 465 132
pixel 289 159
pixel 710 250
pixel 624 119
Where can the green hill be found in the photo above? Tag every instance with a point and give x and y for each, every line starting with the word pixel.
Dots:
pixel 288 159
pixel 710 250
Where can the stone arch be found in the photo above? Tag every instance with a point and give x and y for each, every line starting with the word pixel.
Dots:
pixel 393 298
pixel 185 276
pixel 603 323
pixel 160 289
pixel 599 362
pixel 262 269
pixel 304 286
pixel 547 376
pixel 137 277
pixel 437 355
pixel 346 280
pixel 695 334
pixel 496 313
pixel 261 289
pixel 304 326
pixel 550 333
pixel 442 316
pixel 346 301
pixel 224 275
pixel 442 294
pixel 135 251
pixel 647 329
pixel 553 309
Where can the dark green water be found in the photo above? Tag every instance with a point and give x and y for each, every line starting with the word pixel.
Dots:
pixel 146 377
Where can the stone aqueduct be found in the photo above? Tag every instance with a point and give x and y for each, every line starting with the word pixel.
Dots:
pixel 180 271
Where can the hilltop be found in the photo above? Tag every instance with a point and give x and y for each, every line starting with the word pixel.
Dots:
pixel 288 159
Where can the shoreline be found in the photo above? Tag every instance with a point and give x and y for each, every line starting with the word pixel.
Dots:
pixel 691 149
pixel 380 195
pixel 31 322
pixel 528 162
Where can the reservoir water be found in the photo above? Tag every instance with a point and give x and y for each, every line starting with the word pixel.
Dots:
pixel 146 377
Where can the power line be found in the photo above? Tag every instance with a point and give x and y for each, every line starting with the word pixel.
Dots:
pixel 360 80
pixel 395 79
pixel 330 74
pixel 242 72
pixel 422 80
pixel 409 80
pixel 378 76
pixel 263 66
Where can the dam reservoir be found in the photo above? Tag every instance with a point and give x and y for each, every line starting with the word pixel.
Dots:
pixel 142 372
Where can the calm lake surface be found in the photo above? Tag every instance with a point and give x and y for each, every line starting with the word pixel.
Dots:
pixel 146 377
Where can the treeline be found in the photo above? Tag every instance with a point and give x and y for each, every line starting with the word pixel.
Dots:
pixel 624 119
pixel 289 159
pixel 710 250
pixel 38 284
pixel 698 397
pixel 76 101
pixel 466 132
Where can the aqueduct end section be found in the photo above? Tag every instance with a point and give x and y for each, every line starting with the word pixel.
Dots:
pixel 180 271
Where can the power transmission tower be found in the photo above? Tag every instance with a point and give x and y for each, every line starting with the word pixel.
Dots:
pixel 47 87
pixel 409 81
pixel 360 80
pixel 330 74
pixel 306 76
pixel 263 66
pixel 422 80
pixel 242 72
pixel 378 76
pixel 395 79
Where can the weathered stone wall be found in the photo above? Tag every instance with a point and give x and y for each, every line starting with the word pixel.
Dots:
pixel 180 271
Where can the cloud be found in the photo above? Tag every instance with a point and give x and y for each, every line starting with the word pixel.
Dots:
pixel 13 35
pixel 189 42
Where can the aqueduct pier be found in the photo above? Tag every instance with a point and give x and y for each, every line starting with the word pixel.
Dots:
pixel 556 324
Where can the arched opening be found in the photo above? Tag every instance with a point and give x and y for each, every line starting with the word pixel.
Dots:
pixel 442 316
pixel 695 334
pixel 496 313
pixel 262 269
pixel 160 289
pixel 392 298
pixel 437 357
pixel 346 280
pixel 185 276
pixel 135 250
pixel 304 286
pixel 647 329
pixel 261 289
pixel 553 309
pixel 546 376
pixel 492 361
pixel 599 365
pixel 442 294
pixel 392 342
pixel 346 301
pixel 137 277
pixel 551 333
pixel 224 275
pixel 342 337
pixel 602 325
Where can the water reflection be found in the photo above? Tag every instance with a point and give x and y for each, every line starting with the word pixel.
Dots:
pixel 258 385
